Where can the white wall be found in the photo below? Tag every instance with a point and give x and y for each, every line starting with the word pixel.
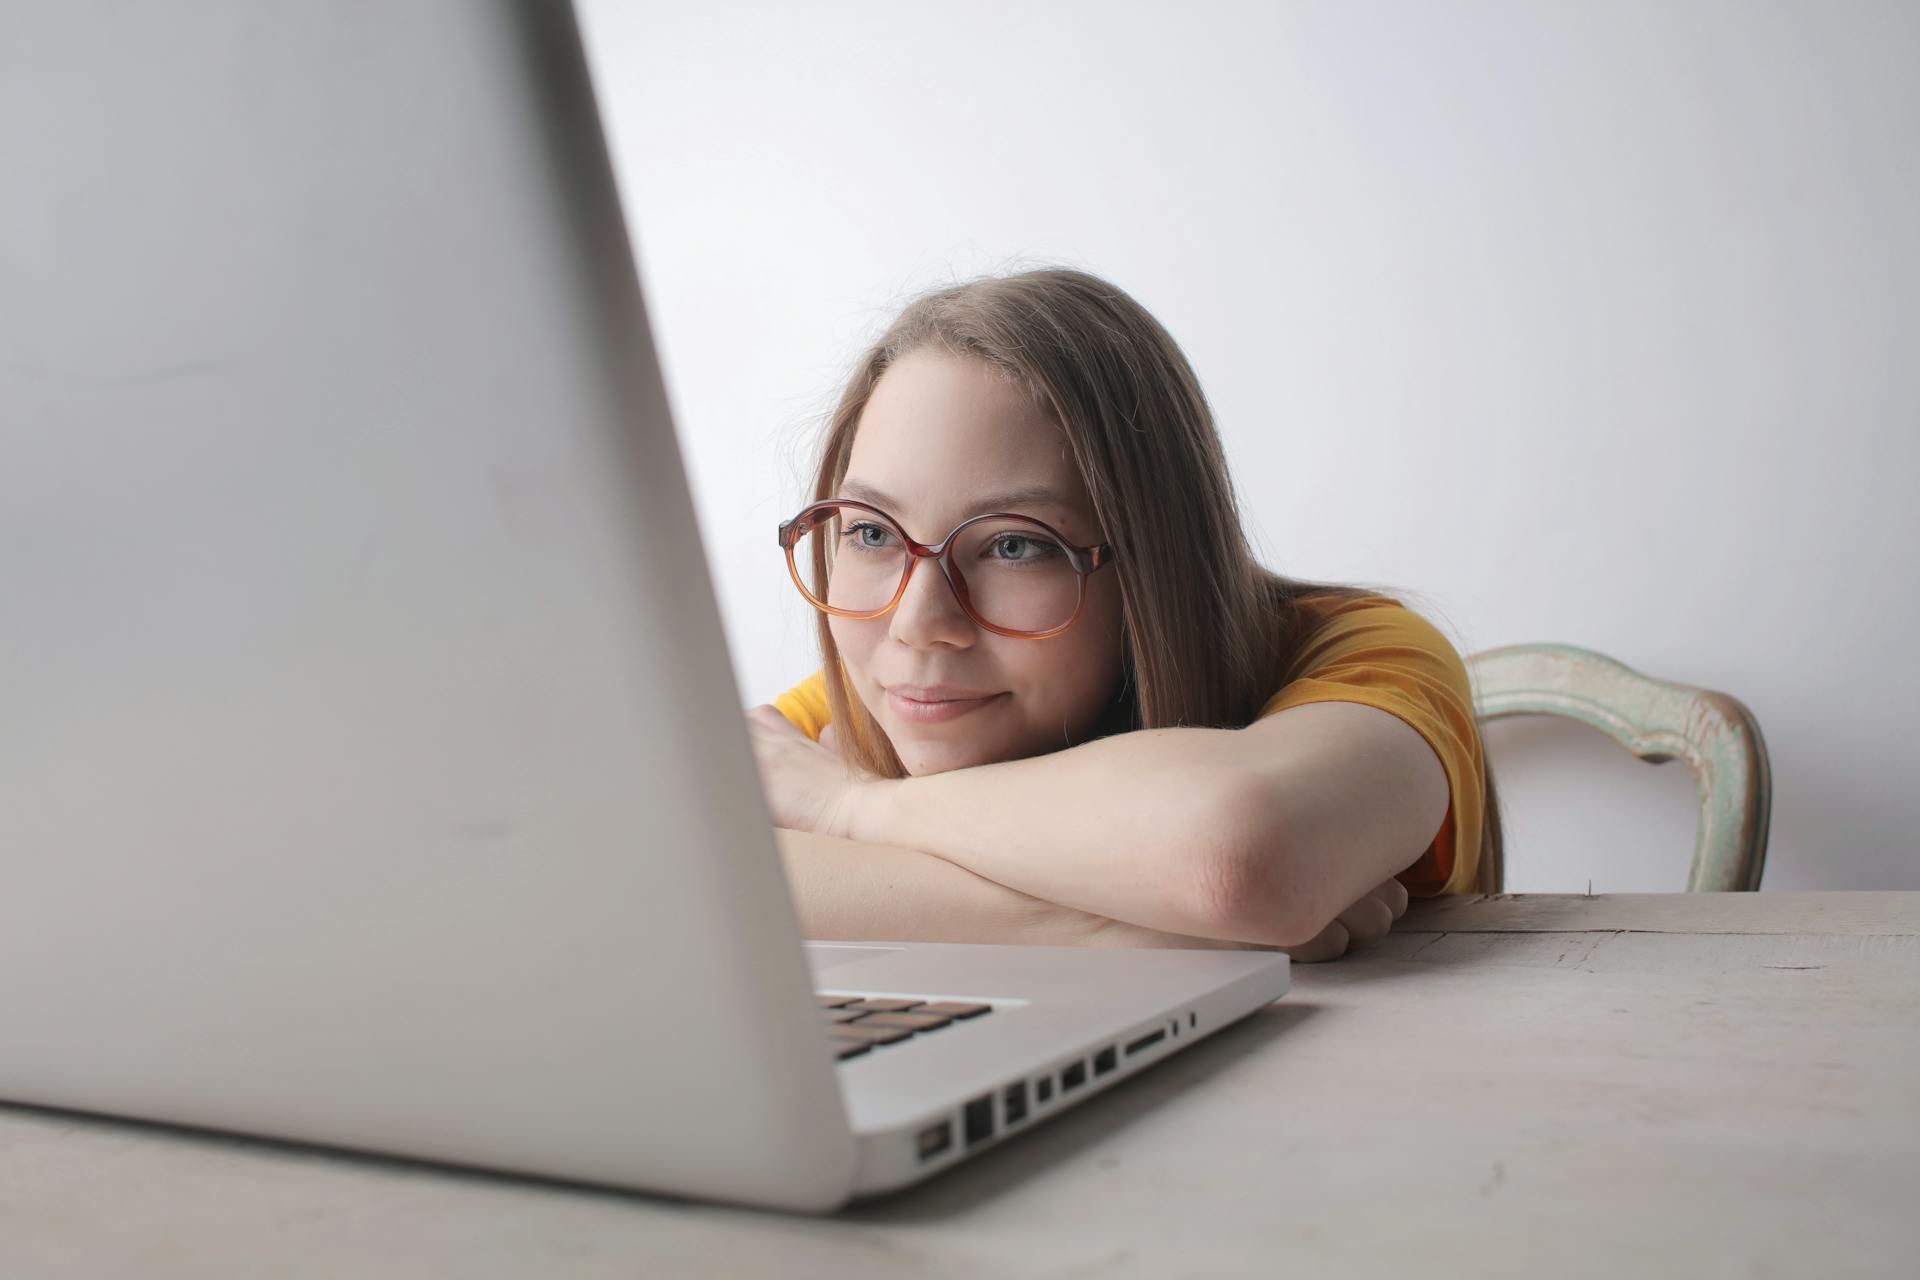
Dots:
pixel 1588 322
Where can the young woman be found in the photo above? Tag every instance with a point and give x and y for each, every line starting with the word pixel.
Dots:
pixel 1060 702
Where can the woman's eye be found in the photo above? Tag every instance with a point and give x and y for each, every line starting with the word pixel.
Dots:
pixel 858 534
pixel 1013 546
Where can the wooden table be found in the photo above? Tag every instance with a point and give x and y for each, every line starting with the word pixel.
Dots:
pixel 1695 1085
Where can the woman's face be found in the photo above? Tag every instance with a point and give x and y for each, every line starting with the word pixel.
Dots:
pixel 943 438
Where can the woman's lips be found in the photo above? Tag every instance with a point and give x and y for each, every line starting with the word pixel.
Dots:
pixel 932 708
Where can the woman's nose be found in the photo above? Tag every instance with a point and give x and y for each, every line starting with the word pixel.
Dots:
pixel 930 613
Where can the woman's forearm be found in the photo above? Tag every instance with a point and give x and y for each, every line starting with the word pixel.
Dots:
pixel 1139 827
pixel 845 890
pixel 1264 835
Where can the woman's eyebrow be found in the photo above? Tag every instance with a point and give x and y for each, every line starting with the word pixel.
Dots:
pixel 1032 494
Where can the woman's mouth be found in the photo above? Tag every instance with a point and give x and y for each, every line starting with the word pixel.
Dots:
pixel 931 706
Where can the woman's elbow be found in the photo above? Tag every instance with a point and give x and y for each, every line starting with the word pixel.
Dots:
pixel 1248 888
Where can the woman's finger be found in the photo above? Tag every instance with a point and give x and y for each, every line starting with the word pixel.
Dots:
pixel 1394 894
pixel 1329 944
pixel 769 716
pixel 1367 920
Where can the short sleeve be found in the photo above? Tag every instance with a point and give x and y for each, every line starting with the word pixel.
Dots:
pixel 1376 652
pixel 806 705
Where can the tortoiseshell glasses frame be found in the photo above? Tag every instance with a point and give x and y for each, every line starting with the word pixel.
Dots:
pixel 1086 560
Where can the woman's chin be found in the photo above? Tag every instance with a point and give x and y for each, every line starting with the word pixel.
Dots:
pixel 921 757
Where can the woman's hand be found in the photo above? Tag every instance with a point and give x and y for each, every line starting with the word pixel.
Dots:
pixel 1367 920
pixel 808 786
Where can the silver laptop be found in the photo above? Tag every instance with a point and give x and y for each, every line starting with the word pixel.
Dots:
pixel 371 768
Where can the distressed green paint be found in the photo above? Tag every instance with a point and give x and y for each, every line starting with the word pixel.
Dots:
pixel 1714 733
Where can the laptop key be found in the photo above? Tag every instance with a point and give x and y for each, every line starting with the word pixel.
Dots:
pixel 954 1009
pixel 869 1035
pixel 915 1021
pixel 856 1025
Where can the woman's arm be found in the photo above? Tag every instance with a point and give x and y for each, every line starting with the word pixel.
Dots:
pixel 1261 835
pixel 847 891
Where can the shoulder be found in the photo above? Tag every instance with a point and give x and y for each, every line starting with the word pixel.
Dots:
pixel 1375 651
pixel 806 705
pixel 1341 631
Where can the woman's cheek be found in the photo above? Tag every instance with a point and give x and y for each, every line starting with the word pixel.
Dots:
pixel 854 646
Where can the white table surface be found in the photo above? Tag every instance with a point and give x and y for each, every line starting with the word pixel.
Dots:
pixel 1698 1085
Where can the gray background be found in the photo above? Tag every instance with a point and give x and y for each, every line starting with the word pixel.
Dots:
pixel 1589 323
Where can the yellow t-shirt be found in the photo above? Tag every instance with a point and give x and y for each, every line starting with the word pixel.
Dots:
pixel 1373 651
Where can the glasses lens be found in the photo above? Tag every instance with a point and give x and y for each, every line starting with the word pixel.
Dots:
pixel 851 560
pixel 1018 575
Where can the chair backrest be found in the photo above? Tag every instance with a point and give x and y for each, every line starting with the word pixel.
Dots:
pixel 1714 733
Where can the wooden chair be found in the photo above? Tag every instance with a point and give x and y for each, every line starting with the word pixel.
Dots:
pixel 1714 733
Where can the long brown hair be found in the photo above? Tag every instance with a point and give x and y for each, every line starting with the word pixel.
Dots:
pixel 1143 439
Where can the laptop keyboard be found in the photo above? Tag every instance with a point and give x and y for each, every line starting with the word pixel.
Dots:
pixel 859 1025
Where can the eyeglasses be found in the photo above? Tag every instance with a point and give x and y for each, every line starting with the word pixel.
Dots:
pixel 1011 574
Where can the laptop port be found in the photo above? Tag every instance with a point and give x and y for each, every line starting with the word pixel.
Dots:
pixel 935 1138
pixel 1016 1102
pixel 979 1120
pixel 1073 1077
pixel 1043 1090
pixel 1151 1038
pixel 1103 1061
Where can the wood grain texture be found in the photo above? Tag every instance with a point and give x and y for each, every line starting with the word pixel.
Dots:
pixel 1824 913
pixel 1701 1085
